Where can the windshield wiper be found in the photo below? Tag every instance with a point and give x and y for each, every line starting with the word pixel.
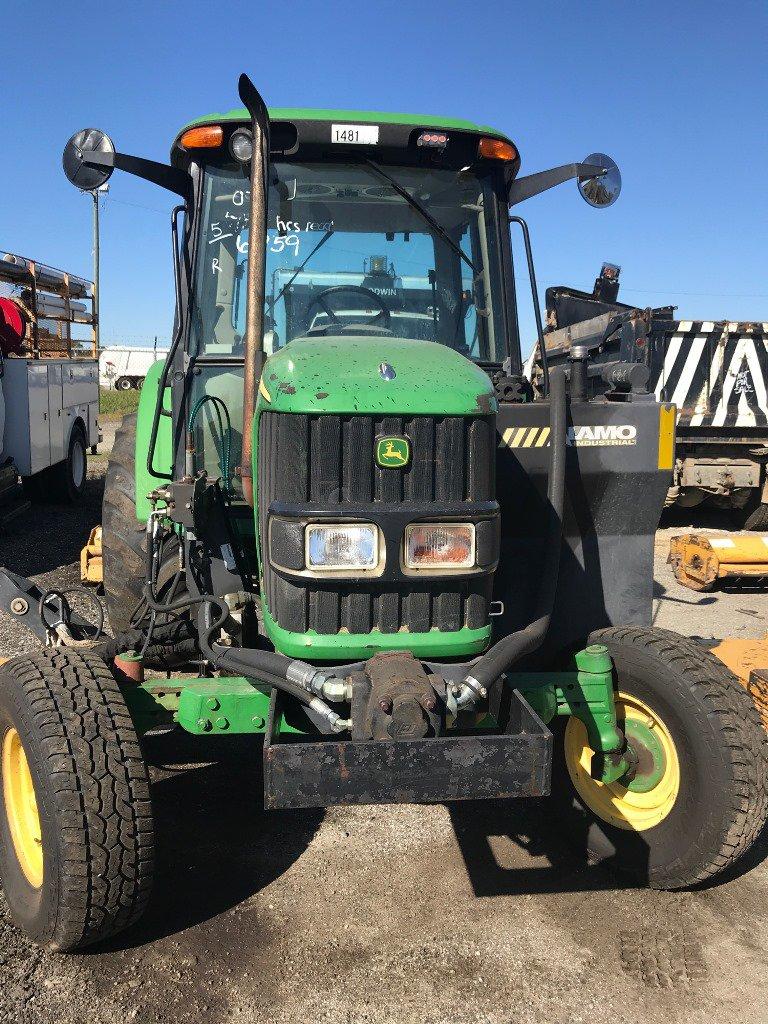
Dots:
pixel 288 284
pixel 423 213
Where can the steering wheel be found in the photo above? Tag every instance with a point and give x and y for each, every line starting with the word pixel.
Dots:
pixel 381 319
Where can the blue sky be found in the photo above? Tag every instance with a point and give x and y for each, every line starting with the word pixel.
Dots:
pixel 676 93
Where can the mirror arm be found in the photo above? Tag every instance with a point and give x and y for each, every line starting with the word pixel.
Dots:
pixel 533 184
pixel 170 178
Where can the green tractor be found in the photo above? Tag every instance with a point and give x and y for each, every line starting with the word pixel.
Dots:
pixel 355 532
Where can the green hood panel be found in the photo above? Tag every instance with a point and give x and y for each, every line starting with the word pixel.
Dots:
pixel 335 647
pixel 342 376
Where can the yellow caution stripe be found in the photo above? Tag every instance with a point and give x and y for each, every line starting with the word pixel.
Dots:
pixel 525 437
pixel 667 419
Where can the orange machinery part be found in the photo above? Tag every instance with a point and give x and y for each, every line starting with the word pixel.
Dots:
pixel 699 561
pixel 91 562
pixel 748 660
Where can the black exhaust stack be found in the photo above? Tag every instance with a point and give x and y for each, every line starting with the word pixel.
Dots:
pixel 257 232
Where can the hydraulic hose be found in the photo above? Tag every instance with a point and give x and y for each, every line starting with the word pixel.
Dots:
pixel 244 666
pixel 172 639
pixel 300 680
pixel 510 649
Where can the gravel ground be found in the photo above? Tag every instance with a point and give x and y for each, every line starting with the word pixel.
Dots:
pixel 44 544
pixel 474 912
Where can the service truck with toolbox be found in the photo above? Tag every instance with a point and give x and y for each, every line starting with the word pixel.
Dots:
pixel 371 552
pixel 49 389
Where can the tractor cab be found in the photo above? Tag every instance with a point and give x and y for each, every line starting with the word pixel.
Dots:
pixel 393 232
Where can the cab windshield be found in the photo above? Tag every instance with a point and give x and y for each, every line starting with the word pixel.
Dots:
pixel 349 254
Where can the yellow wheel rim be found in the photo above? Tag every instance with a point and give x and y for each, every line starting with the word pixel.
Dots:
pixel 21 809
pixel 612 802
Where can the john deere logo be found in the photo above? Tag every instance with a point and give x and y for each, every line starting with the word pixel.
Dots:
pixel 392 452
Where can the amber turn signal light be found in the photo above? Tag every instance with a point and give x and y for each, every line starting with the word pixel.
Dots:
pixel 205 136
pixel 496 149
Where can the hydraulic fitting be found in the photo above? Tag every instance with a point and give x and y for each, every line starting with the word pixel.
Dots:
pixel 469 692
pixel 321 684
pixel 336 722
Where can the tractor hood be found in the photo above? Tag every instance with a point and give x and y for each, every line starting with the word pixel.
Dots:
pixel 374 375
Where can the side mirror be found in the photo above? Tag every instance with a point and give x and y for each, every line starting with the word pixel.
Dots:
pixel 603 189
pixel 89 159
pixel 85 175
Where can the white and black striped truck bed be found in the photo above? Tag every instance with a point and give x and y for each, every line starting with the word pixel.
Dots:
pixel 714 372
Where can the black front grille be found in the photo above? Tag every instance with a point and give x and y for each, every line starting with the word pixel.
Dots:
pixel 327 460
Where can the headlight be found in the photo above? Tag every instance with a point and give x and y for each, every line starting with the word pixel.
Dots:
pixel 342 547
pixel 440 546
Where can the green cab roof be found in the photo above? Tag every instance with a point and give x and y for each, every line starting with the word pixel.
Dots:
pixel 363 116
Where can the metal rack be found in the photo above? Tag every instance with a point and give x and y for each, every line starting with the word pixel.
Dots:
pixel 41 285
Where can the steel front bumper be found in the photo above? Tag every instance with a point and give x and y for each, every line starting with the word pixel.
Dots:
pixel 517 763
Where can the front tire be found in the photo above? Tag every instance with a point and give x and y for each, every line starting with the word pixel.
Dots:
pixel 76 832
pixel 694 811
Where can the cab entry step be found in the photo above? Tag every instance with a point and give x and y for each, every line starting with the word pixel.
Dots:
pixel 323 773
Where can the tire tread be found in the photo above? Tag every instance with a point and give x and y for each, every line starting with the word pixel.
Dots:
pixel 123 536
pixel 99 786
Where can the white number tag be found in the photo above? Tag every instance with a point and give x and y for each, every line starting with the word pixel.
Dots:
pixel 357 134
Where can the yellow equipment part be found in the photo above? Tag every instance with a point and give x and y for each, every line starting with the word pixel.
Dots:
pixel 91 565
pixel 748 660
pixel 699 561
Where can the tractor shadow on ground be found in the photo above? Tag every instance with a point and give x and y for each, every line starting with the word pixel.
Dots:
pixel 216 844
pixel 497 838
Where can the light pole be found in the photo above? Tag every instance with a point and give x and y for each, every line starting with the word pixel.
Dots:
pixel 96 328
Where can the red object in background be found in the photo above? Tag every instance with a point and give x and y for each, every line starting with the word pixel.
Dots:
pixel 13 327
